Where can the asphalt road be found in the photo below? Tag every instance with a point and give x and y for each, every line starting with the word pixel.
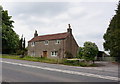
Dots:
pixel 26 71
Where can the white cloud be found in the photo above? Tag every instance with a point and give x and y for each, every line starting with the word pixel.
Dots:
pixel 75 10
pixel 59 0
pixel 22 29
pixel 89 20
pixel 62 16
pixel 40 19
pixel 21 15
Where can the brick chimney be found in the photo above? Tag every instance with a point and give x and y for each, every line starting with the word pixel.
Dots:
pixel 35 34
pixel 69 30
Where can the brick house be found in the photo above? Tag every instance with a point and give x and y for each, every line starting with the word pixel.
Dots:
pixel 53 45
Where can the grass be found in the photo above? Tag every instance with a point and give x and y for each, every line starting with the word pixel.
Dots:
pixel 48 60
pixel 35 59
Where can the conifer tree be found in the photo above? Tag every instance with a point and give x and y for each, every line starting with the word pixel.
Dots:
pixel 112 36
pixel 21 43
pixel 24 44
pixel 10 40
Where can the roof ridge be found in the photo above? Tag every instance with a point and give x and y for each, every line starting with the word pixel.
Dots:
pixel 53 34
pixel 50 37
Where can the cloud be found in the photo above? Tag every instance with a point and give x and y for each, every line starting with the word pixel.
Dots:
pixel 60 1
pixel 89 20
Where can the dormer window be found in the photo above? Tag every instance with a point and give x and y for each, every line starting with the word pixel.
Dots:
pixel 33 44
pixel 57 41
pixel 46 42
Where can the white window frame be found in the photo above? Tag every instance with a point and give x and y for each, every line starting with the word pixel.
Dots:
pixel 33 53
pixel 46 42
pixel 32 44
pixel 57 42
pixel 54 53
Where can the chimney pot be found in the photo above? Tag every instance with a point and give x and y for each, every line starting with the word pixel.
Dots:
pixel 35 34
pixel 69 30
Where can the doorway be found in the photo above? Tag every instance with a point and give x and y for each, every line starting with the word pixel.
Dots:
pixel 44 53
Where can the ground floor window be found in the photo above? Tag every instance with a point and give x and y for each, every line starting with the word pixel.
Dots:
pixel 54 53
pixel 33 53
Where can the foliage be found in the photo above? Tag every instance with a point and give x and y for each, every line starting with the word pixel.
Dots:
pixel 22 50
pixel 21 43
pixel 24 43
pixel 77 63
pixel 90 51
pixel 10 39
pixel 112 36
pixel 80 52
pixel 74 62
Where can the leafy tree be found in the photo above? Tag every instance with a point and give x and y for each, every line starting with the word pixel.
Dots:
pixel 80 52
pixel 90 51
pixel 10 40
pixel 112 36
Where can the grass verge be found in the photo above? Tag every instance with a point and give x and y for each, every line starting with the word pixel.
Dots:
pixel 47 60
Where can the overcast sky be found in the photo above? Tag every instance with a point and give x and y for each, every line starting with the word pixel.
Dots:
pixel 89 20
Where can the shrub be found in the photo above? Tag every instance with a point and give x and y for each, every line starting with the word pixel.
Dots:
pixel 80 52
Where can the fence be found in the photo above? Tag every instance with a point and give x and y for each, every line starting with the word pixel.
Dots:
pixel 106 59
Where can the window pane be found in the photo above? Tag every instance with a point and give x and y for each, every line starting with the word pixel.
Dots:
pixel 32 43
pixel 57 41
pixel 54 53
pixel 46 42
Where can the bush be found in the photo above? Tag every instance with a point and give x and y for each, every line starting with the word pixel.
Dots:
pixel 77 63
pixel 80 52
pixel 73 62
pixel 88 52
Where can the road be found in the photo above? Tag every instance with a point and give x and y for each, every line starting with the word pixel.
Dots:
pixel 27 71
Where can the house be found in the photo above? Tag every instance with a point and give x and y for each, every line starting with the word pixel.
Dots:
pixel 54 45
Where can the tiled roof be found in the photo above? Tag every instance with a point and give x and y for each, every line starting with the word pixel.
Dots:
pixel 50 37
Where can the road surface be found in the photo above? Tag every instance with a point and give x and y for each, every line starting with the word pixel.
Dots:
pixel 27 71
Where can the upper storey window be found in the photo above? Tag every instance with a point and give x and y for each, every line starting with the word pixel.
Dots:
pixel 57 41
pixel 46 42
pixel 32 43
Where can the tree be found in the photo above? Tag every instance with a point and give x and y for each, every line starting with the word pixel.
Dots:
pixel 22 50
pixel 10 40
pixel 90 51
pixel 80 52
pixel 0 30
pixel 24 43
pixel 21 43
pixel 112 36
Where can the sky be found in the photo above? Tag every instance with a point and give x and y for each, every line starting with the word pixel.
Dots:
pixel 89 19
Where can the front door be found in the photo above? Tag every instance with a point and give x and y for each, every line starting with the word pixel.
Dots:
pixel 44 53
